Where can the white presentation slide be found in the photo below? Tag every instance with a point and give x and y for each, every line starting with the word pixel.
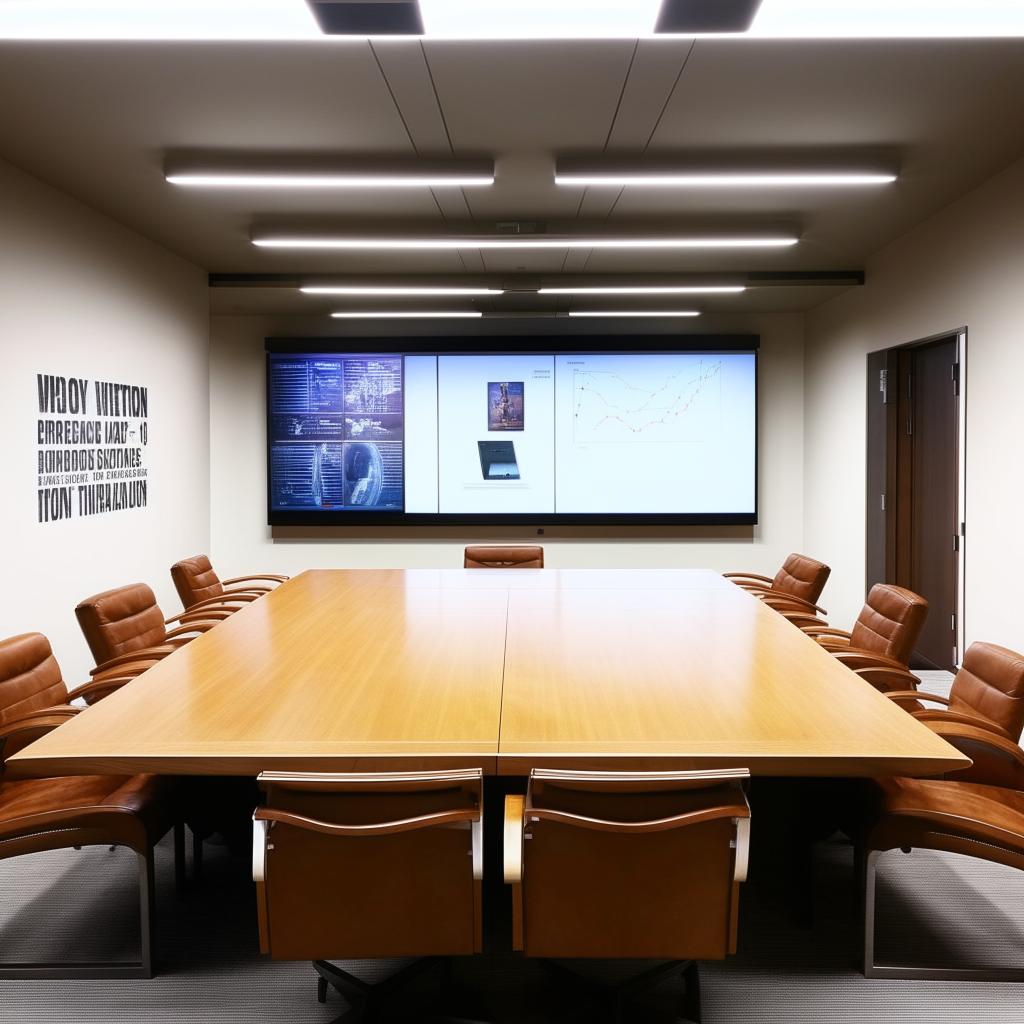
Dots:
pixel 655 433
pixel 421 434
pixel 495 429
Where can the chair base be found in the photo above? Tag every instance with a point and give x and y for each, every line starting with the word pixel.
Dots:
pixel 623 1002
pixel 143 968
pixel 906 971
pixel 373 1001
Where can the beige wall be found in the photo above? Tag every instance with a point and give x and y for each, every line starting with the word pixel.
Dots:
pixel 962 267
pixel 81 295
pixel 242 541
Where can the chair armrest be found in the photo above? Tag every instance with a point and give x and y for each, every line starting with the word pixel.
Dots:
pixel 747 576
pixel 856 657
pixel 196 626
pixel 790 602
pixel 221 600
pixel 99 688
pixel 17 735
pixel 190 615
pixel 148 654
pixel 927 715
pixel 997 761
pixel 890 681
pixel 804 621
pixel 512 859
pixel 916 695
pixel 131 670
pixel 825 630
pixel 259 576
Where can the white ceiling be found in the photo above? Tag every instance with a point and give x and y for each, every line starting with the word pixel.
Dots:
pixel 98 120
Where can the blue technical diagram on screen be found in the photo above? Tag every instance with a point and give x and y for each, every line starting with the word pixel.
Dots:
pixel 337 433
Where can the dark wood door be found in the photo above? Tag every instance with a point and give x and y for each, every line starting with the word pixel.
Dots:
pixel 912 484
pixel 929 526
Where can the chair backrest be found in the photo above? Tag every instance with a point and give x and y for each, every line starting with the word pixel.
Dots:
pixel 195 580
pixel 632 864
pixel 30 678
pixel 991 683
pixel 349 866
pixel 890 622
pixel 120 621
pixel 503 556
pixel 802 577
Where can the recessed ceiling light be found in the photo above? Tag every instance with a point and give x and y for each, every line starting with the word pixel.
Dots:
pixel 406 315
pixel 396 290
pixel 888 19
pixel 527 242
pixel 146 19
pixel 358 174
pixel 579 175
pixel 539 19
pixel 649 290
pixel 634 312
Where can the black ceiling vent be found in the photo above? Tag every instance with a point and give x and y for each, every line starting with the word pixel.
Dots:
pixel 691 17
pixel 368 17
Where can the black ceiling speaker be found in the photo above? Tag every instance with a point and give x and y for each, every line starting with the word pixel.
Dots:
pixel 368 17
pixel 691 17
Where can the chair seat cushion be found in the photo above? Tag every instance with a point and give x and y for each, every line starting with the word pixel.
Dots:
pixel 921 812
pixel 132 810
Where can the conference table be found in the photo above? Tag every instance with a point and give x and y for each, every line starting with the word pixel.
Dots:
pixel 506 670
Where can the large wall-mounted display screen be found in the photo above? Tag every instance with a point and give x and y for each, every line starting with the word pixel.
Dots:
pixel 381 434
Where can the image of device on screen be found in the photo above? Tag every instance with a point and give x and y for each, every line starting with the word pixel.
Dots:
pixel 505 405
pixel 498 460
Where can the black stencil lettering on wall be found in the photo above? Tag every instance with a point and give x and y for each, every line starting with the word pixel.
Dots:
pixel 92 440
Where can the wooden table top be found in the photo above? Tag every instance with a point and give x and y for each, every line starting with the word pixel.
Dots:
pixel 503 669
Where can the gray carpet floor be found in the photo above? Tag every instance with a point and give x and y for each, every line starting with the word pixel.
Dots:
pixel 931 907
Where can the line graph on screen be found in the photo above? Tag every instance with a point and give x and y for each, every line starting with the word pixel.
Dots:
pixel 648 405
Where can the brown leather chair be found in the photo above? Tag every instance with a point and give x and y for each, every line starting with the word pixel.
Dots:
pixel 884 634
pixel 503 556
pixel 60 813
pixel 795 587
pixel 987 692
pixel 369 866
pixel 628 865
pixel 981 821
pixel 127 632
pixel 199 586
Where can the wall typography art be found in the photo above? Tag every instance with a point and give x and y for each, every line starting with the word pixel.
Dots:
pixel 91 437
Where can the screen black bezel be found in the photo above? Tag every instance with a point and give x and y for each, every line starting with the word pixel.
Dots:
pixel 495 344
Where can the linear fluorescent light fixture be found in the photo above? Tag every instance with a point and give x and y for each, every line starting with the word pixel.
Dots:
pixel 526 242
pixel 433 174
pixel 595 175
pixel 539 19
pixel 147 19
pixel 888 19
pixel 385 314
pixel 730 289
pixel 395 291
pixel 634 312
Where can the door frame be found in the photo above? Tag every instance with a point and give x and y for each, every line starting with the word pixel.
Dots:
pixel 960 602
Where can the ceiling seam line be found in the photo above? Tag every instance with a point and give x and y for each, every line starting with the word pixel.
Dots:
pixel 394 100
pixel 448 137
pixel 622 95
pixel 668 98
